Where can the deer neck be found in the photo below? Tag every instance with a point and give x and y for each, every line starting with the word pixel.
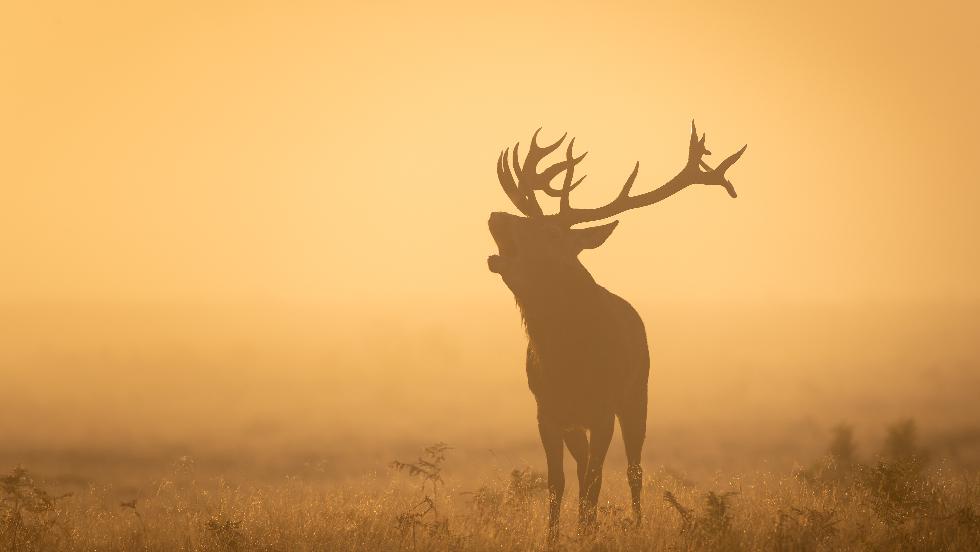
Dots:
pixel 557 300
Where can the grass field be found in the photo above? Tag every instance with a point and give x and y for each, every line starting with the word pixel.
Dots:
pixel 901 500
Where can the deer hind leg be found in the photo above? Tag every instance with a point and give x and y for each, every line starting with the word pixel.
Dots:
pixel 551 438
pixel 633 424
pixel 600 435
pixel 578 445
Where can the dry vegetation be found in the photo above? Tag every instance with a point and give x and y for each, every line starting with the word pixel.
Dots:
pixel 899 500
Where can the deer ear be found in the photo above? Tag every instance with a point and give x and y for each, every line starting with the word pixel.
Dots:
pixel 590 238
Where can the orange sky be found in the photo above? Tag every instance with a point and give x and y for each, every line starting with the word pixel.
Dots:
pixel 317 154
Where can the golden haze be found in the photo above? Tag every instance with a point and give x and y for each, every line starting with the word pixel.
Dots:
pixel 215 214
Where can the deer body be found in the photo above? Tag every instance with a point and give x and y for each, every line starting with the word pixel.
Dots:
pixel 587 356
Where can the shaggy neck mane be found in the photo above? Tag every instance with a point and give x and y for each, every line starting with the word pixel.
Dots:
pixel 554 300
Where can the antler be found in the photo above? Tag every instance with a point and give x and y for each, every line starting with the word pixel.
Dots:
pixel 692 173
pixel 529 180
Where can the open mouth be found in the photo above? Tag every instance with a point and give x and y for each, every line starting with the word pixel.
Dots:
pixel 505 245
pixel 501 229
pixel 505 250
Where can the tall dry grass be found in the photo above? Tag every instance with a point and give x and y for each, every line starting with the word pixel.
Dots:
pixel 897 499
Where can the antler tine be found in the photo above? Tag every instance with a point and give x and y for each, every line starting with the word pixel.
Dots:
pixel 507 181
pixel 568 185
pixel 697 148
pixel 546 149
pixel 625 192
pixel 718 174
pixel 512 190
pixel 517 163
pixel 568 166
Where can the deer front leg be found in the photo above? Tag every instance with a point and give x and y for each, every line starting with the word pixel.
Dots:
pixel 551 438
pixel 601 433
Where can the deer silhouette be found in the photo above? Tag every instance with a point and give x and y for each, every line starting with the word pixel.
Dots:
pixel 587 357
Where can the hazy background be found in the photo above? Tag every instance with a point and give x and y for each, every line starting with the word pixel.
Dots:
pixel 256 232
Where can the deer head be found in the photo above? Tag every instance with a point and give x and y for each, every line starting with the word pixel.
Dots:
pixel 538 251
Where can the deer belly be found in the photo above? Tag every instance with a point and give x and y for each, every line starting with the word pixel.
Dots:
pixel 578 402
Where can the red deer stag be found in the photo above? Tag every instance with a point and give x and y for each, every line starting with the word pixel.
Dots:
pixel 587 357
